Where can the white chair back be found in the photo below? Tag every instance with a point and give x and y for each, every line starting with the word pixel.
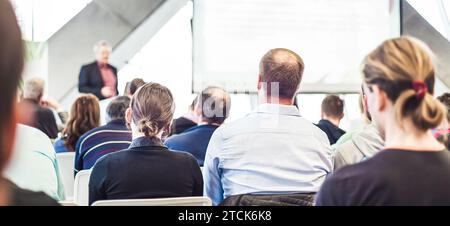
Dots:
pixel 81 188
pixel 66 162
pixel 183 201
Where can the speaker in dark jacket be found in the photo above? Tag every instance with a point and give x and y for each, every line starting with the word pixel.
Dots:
pixel 91 81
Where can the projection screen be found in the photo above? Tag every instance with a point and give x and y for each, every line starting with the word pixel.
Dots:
pixel 332 37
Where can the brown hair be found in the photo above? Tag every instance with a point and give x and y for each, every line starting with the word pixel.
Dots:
pixel 135 84
pixel 445 99
pixel 215 103
pixel 284 67
pixel 395 67
pixel 84 116
pixel 11 65
pixel 333 106
pixel 152 109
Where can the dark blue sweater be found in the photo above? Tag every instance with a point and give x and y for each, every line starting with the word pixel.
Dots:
pixel 194 140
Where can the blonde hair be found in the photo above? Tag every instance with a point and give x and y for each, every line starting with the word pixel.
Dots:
pixel 404 70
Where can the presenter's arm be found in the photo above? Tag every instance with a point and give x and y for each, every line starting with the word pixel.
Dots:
pixel 83 83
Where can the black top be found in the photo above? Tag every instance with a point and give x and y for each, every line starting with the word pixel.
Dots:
pixel 90 79
pixel 391 177
pixel 21 197
pixel 181 124
pixel 146 170
pixel 43 118
pixel 333 132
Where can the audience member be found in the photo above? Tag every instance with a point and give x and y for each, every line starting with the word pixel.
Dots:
pixel 414 168
pixel 33 165
pixel 273 150
pixel 103 140
pixel 11 66
pixel 442 132
pixel 42 117
pixel 186 121
pixel 134 85
pixel 332 113
pixel 147 169
pixel 212 108
pixel 362 144
pixel 84 116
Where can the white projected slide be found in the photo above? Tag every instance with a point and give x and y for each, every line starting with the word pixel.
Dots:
pixel 332 37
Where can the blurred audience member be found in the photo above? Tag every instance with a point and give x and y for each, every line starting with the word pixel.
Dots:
pixel 414 168
pixel 11 66
pixel 103 140
pixel 332 113
pixel 134 85
pixel 147 169
pixel 42 117
pixel 212 108
pixel 186 121
pixel 99 77
pixel 442 132
pixel 362 144
pixel 84 115
pixel 272 150
pixel 33 165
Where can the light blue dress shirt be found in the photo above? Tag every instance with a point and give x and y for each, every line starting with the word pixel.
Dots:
pixel 272 150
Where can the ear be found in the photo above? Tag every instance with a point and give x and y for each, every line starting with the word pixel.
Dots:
pixel 128 114
pixel 259 82
pixel 381 99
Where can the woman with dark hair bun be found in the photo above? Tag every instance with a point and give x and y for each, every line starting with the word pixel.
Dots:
pixel 413 168
pixel 147 169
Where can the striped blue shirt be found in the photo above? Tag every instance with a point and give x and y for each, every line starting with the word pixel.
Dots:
pixel 112 137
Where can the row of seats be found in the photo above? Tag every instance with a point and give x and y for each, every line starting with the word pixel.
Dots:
pixel 77 189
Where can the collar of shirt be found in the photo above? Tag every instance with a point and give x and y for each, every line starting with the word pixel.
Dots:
pixel 117 122
pixel 147 142
pixel 277 109
pixel 102 65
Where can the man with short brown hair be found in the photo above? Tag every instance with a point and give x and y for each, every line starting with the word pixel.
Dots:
pixel 332 113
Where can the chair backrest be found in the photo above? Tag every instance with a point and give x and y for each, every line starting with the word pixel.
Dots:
pixel 67 203
pixel 183 201
pixel 81 188
pixel 66 163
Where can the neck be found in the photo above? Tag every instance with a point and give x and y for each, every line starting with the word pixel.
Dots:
pixel 201 123
pixel 409 137
pixel 274 100
pixel 334 121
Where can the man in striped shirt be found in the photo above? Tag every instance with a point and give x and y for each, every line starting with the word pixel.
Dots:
pixel 112 137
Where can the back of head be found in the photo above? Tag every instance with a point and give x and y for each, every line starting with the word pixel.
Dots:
pixel 333 106
pixel 84 115
pixel 11 65
pixel 215 104
pixel 445 100
pixel 117 107
pixel 404 70
pixel 34 89
pixel 284 68
pixel 135 84
pixel 152 109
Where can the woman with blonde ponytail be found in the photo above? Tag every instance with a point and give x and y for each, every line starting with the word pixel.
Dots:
pixel 413 168
pixel 147 169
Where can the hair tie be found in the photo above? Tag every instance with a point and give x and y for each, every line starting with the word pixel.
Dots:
pixel 421 89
